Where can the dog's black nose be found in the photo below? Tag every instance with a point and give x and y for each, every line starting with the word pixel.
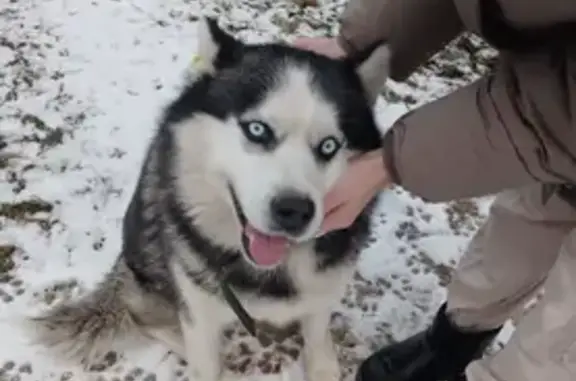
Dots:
pixel 292 212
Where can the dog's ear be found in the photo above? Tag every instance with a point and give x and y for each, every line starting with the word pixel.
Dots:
pixel 372 66
pixel 216 48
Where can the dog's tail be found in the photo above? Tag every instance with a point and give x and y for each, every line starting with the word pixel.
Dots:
pixel 81 331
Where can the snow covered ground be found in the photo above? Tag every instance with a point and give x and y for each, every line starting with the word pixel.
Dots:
pixel 81 86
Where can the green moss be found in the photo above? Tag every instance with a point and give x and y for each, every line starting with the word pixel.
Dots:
pixel 23 209
pixel 6 258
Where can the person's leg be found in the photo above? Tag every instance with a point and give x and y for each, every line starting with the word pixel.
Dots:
pixel 509 258
pixel 505 263
pixel 543 347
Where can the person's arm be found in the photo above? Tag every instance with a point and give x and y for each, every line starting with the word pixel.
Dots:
pixel 504 131
pixel 414 29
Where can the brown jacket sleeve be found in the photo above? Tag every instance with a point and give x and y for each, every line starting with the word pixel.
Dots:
pixel 414 29
pixel 507 130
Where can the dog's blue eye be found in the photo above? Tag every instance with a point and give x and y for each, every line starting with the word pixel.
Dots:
pixel 258 132
pixel 256 129
pixel 328 148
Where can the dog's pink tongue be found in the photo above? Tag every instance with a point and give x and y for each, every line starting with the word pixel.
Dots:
pixel 264 249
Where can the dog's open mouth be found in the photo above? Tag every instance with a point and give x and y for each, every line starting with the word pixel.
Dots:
pixel 262 249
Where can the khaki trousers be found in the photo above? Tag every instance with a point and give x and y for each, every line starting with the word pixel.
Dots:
pixel 524 247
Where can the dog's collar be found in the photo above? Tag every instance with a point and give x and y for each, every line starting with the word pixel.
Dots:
pixel 265 333
pixel 247 321
pixel 175 212
pixel 264 336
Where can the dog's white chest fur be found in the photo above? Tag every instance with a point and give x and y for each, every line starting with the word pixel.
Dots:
pixel 317 291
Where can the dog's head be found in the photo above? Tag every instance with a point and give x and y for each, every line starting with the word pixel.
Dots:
pixel 278 125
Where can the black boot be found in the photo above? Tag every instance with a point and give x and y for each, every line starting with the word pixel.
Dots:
pixel 441 353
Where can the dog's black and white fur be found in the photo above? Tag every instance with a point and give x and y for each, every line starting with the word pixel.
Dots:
pixel 258 122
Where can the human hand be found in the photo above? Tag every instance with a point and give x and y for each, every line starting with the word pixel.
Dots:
pixel 327 46
pixel 364 178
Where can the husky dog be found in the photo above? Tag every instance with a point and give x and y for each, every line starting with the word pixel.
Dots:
pixel 232 191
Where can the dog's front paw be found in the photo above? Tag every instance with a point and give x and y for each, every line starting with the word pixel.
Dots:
pixel 322 368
